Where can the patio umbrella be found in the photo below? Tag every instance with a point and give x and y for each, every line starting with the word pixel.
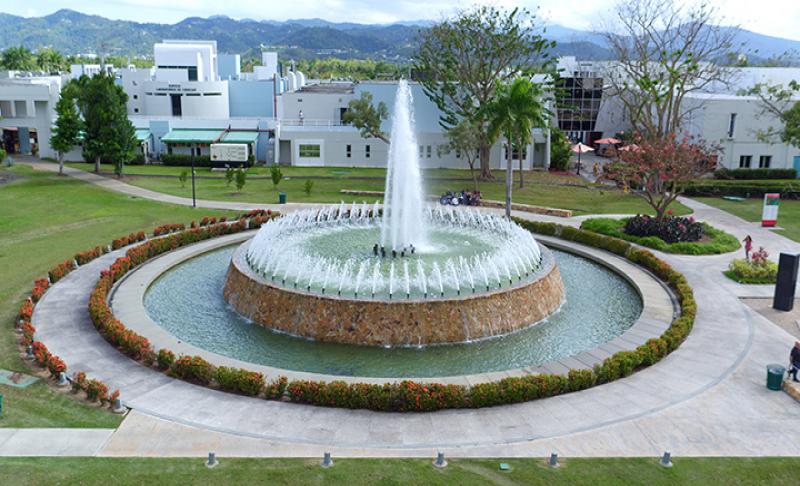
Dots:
pixel 579 149
pixel 608 141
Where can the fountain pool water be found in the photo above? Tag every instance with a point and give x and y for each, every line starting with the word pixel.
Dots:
pixel 403 273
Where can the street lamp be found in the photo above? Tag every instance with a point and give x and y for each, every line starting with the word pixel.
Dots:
pixel 191 159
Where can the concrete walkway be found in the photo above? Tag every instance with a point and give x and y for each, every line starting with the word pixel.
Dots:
pixel 706 398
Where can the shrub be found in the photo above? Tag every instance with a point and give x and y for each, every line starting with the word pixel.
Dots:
pixel 40 353
pixel 181 160
pixel 26 310
pixel 128 240
pixel 275 174
pixel 751 174
pixel 229 175
pixel 753 272
pixel 96 390
pixel 78 381
pixel 165 359
pixel 56 365
pixel 671 229
pixel 308 187
pixel 182 177
pixel 85 257
pixel 165 229
pixel 241 179
pixel 239 380
pixel 754 188
pixel 28 333
pixel 60 271
pixel 194 369
pixel 40 286
pixel 275 388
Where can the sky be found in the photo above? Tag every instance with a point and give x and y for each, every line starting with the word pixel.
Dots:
pixel 773 17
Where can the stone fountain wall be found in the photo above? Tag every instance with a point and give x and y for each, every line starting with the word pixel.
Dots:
pixel 393 323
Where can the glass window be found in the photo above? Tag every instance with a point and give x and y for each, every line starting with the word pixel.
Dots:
pixel 349 151
pixel 745 161
pixel 366 151
pixel 428 152
pixel 764 161
pixel 732 125
pixel 192 70
pixel 309 150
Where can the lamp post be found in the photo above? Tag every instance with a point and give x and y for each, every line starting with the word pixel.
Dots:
pixel 191 158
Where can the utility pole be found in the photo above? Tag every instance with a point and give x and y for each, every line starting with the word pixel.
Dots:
pixel 191 158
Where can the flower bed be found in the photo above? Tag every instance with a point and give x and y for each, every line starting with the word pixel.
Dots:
pixel 166 229
pixel 757 270
pixel 60 271
pixel 85 257
pixel 132 238
pixel 404 396
pixel 718 241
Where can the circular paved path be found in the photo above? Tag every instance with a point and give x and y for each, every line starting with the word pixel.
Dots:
pixel 706 398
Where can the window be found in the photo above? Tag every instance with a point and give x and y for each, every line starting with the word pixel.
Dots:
pixel 136 97
pixel 349 151
pixel 421 151
pixel 192 73
pixel 732 125
pixel 136 110
pixel 428 151
pixel 366 151
pixel 764 161
pixel 745 161
pixel 309 150
pixel 175 100
pixel 458 153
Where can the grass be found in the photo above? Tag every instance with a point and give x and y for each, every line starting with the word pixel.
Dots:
pixel 718 242
pixel 750 210
pixel 542 188
pixel 47 219
pixel 354 472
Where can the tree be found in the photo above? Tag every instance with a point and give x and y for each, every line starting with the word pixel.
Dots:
pixel 560 150
pixel 18 58
pixel 49 60
pixel 109 133
pixel 661 167
pixel 464 139
pixel 241 179
pixel 514 113
pixel 664 51
pixel 460 61
pixel 366 117
pixel 67 130
pixel 275 174
pixel 782 103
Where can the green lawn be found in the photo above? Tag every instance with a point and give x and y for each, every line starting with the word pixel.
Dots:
pixel 750 210
pixel 47 219
pixel 542 188
pixel 354 472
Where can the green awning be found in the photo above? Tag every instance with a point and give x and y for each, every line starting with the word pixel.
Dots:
pixel 192 136
pixel 240 137
pixel 142 134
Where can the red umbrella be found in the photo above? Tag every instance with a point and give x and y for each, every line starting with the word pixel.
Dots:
pixel 579 149
pixel 608 141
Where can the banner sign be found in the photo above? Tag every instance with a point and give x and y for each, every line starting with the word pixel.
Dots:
pixel 769 216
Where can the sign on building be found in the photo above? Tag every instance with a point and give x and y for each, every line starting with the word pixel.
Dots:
pixel 229 153
pixel 769 216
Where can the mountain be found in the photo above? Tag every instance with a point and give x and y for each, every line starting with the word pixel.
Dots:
pixel 73 32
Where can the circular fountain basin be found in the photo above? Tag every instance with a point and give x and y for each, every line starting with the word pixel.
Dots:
pixel 320 275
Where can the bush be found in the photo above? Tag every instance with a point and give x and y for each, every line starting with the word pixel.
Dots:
pixel 718 240
pixel 40 286
pixel 124 241
pixel 78 381
pixel 85 257
pixel 560 150
pixel 56 365
pixel 275 174
pixel 672 229
pixel 749 272
pixel 165 229
pixel 60 271
pixel 96 390
pixel 308 187
pixel 165 359
pixel 28 333
pixel 239 380
pixel 194 369
pixel 181 160
pixel 241 179
pixel 755 174
pixel 26 310
pixel 754 188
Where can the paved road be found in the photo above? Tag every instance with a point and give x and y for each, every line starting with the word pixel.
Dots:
pixel 707 398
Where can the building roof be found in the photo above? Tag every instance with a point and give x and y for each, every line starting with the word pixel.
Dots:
pixel 186 135
pixel 338 88
pixel 142 134
pixel 240 137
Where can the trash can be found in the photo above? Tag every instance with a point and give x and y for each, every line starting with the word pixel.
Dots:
pixel 775 376
pixel 1 404
pixel 281 198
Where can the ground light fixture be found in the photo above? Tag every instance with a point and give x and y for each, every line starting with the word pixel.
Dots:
pixel 326 460
pixel 440 462
pixel 553 462
pixel 212 460
pixel 666 459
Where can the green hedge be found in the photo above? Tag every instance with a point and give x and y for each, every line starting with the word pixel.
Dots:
pixel 181 160
pixel 719 242
pixel 788 189
pixel 751 174
pixel 405 396
pixel 745 272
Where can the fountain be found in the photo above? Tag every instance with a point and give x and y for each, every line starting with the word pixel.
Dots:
pixel 473 275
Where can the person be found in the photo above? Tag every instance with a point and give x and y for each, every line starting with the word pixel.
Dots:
pixel 794 361
pixel 748 247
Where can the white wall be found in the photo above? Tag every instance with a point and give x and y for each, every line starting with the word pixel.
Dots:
pixel 200 54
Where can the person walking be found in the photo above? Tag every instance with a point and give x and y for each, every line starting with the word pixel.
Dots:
pixel 794 361
pixel 748 247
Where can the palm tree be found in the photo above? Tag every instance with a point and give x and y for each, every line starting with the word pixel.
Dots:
pixel 515 112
